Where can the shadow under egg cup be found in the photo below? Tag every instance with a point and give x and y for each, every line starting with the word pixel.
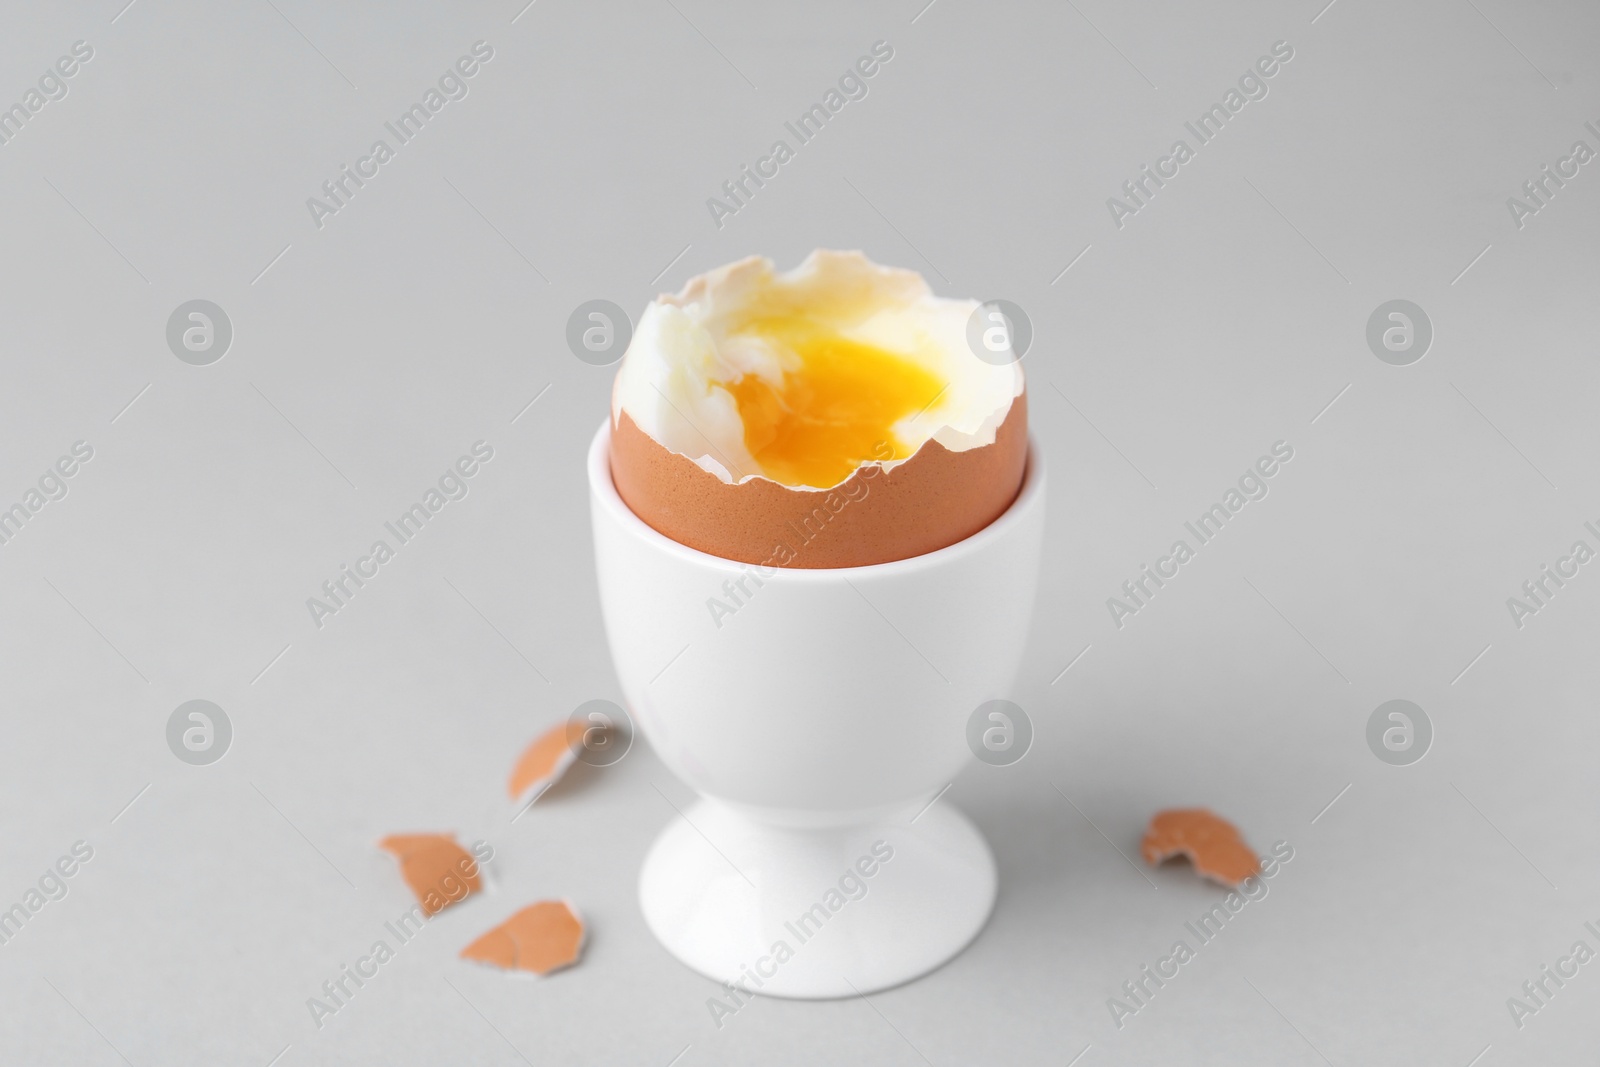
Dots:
pixel 816 721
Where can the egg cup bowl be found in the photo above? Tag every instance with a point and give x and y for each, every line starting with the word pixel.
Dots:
pixel 817 722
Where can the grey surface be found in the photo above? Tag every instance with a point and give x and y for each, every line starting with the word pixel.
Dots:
pixel 1223 317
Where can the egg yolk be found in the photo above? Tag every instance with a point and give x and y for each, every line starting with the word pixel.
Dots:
pixel 835 412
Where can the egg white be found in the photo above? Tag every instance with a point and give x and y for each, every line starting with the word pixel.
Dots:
pixel 682 349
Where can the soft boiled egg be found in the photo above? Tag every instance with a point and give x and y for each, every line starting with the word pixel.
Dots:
pixel 830 416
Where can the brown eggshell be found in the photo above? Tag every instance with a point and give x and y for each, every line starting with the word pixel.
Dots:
pixel 1212 843
pixel 540 938
pixel 430 865
pixel 930 501
pixel 545 760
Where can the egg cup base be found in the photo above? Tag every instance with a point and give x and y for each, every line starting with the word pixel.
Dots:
pixel 792 912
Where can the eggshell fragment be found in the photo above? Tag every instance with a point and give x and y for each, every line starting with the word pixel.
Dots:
pixel 495 947
pixel 541 938
pixel 930 501
pixel 1211 843
pixel 544 761
pixel 439 871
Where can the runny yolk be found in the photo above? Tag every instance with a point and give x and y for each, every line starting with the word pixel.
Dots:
pixel 833 414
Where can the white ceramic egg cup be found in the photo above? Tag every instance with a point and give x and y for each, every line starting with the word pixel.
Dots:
pixel 817 722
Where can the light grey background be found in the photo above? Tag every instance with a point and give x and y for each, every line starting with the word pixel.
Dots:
pixel 429 312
